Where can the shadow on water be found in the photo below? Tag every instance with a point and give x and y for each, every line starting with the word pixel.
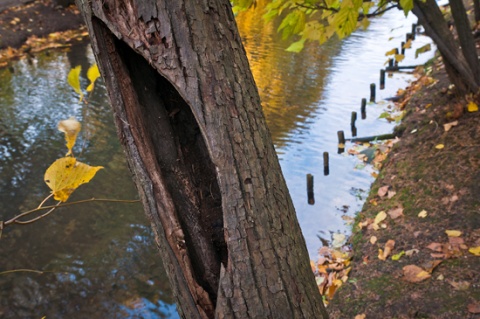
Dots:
pixel 100 259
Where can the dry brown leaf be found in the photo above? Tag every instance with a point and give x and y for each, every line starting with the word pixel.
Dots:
pixel 448 126
pixel 373 240
pixel 435 247
pixel 474 307
pixel 459 285
pixel 395 212
pixel 363 316
pixel 415 274
pixel 390 194
pixel 431 265
pixel 382 191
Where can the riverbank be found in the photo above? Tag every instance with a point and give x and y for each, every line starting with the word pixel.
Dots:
pixel 429 186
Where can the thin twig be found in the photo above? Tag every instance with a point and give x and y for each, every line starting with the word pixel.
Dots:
pixel 14 219
pixel 43 201
pixel 36 218
pixel 40 272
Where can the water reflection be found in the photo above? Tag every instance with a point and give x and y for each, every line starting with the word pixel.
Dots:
pixel 99 260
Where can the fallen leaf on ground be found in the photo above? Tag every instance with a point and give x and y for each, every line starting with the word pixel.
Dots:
pixel 395 212
pixel 390 194
pixel 423 214
pixel 435 247
pixel 472 107
pixel 415 274
pixel 440 277
pixel 362 316
pixel 431 265
pixel 475 250
pixel 439 146
pixel 474 307
pixel 453 233
pixel 389 245
pixel 379 218
pixel 459 285
pixel 448 126
pixel 398 256
pixel 373 240
pixel 410 252
pixel 382 191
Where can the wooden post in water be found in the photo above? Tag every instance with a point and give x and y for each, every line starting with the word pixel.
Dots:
pixel 310 195
pixel 396 53
pixel 414 30
pixel 382 79
pixel 402 48
pixel 326 164
pixel 341 142
pixel 363 108
pixel 390 63
pixel 352 124
pixel 408 37
pixel 372 92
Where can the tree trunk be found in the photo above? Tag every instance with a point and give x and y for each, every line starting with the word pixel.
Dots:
pixel 476 8
pixel 460 74
pixel 189 116
pixel 465 36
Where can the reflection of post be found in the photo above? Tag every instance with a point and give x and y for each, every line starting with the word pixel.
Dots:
pixel 341 142
pixel 311 198
pixel 372 92
pixel 414 30
pixel 396 53
pixel 382 79
pixel 390 63
pixel 326 164
pixel 363 108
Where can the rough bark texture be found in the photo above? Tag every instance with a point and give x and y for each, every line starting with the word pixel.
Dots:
pixel 188 113
pixel 460 73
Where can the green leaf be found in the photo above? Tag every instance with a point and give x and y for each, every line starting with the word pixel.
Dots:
pixel 407 6
pixel 423 49
pixel 74 80
pixel 296 46
pixel 398 256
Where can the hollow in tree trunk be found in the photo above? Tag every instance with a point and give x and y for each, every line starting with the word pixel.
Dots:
pixel 189 116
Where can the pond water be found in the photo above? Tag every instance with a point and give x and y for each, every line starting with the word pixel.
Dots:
pixel 99 259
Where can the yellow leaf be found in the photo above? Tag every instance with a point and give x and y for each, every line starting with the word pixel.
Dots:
pixel 408 44
pixel 453 233
pixel 472 107
pixel 362 316
pixel 71 128
pixel 439 146
pixel 399 57
pixel 389 245
pixel 373 240
pixel 92 74
pixel 391 52
pixel 74 80
pixel 66 174
pixel 423 214
pixel 380 217
pixel 475 250
pixel 448 126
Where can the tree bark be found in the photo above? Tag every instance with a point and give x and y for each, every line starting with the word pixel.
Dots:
pixel 465 36
pixel 460 74
pixel 189 116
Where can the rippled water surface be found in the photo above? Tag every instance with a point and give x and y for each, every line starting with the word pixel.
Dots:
pixel 98 260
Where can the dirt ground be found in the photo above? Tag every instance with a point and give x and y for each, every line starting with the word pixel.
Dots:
pixel 429 184
pixel 21 19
